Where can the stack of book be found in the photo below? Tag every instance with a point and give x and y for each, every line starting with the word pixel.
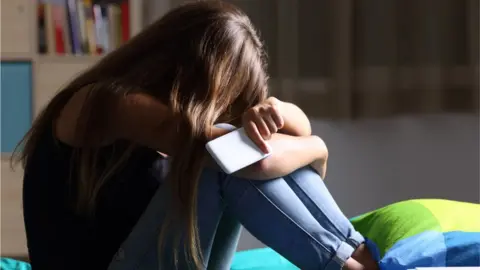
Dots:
pixel 81 27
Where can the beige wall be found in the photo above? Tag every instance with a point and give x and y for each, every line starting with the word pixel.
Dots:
pixel 12 237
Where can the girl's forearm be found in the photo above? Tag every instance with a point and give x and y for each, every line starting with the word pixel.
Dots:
pixel 289 153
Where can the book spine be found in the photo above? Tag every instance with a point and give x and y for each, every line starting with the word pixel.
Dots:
pixel 50 28
pixel 105 29
pixel 125 7
pixel 115 33
pixel 97 19
pixel 42 31
pixel 63 13
pixel 90 26
pixel 74 26
pixel 58 26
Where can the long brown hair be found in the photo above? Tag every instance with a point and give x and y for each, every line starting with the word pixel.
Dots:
pixel 205 60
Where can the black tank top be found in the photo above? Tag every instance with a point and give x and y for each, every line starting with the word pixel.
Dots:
pixel 57 237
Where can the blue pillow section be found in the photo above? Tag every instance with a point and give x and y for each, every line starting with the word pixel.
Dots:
pixel 432 249
pixel 463 248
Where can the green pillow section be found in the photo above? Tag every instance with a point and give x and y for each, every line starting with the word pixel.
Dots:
pixel 387 225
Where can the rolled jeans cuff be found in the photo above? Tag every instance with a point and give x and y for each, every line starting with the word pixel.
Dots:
pixel 342 254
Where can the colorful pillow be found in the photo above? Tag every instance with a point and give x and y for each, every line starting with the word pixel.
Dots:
pixel 409 234
pixel 423 233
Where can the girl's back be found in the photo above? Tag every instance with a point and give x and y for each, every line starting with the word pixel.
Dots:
pixel 56 234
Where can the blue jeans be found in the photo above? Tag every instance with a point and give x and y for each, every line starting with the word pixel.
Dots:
pixel 294 215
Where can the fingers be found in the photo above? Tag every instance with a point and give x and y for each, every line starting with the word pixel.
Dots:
pixel 271 121
pixel 262 126
pixel 276 117
pixel 254 134
pixel 272 127
pixel 260 122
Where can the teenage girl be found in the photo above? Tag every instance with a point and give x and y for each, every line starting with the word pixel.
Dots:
pixel 116 172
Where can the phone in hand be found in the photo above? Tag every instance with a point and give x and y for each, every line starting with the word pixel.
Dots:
pixel 235 151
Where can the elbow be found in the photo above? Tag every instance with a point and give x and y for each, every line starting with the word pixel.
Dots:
pixel 322 149
pixel 307 129
pixel 302 128
pixel 304 125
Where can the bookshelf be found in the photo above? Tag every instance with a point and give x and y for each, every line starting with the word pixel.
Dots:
pixel 20 42
pixel 29 79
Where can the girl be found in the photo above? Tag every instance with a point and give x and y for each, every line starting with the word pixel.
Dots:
pixel 98 194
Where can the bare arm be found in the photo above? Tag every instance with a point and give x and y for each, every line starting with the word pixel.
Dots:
pixel 145 120
pixel 289 153
pixel 149 122
pixel 136 117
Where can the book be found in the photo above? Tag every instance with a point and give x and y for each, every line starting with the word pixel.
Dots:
pixel 49 28
pixel 115 26
pixel 42 35
pixel 74 26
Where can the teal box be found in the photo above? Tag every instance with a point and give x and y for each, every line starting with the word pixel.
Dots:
pixel 16 103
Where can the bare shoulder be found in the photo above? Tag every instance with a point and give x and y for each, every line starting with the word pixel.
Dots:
pixel 65 126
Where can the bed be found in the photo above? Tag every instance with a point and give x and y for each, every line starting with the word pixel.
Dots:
pixel 404 235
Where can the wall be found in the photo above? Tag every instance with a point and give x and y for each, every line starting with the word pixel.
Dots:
pixel 376 162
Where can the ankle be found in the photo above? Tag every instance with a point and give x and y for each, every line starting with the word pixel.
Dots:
pixel 363 256
pixel 352 264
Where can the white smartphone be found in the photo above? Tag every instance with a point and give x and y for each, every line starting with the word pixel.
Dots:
pixel 235 151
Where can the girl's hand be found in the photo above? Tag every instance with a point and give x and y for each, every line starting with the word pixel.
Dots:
pixel 263 120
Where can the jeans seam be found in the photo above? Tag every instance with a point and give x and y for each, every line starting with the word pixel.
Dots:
pixel 225 205
pixel 345 238
pixel 291 220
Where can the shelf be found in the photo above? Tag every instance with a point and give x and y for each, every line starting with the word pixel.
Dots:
pixel 67 59
pixel 44 58
pixel 16 57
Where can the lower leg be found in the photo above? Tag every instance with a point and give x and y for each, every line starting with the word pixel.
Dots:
pixel 278 215
pixel 316 197
pixel 224 243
